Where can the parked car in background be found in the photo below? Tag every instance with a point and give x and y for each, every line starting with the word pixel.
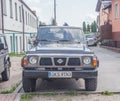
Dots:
pixel 91 39
pixel 59 53
pixel 4 59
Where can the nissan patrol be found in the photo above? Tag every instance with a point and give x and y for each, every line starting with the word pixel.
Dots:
pixel 59 52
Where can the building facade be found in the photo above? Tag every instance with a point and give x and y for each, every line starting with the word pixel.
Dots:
pixel 19 24
pixel 116 21
pixel 110 30
pixel 105 19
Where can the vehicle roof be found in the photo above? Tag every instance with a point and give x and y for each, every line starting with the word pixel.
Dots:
pixel 60 27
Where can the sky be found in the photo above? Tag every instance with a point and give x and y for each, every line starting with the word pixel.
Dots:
pixel 73 12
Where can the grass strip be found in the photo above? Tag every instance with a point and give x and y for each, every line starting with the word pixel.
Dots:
pixel 11 90
pixel 16 55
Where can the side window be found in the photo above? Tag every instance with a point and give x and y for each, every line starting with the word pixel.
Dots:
pixel 4 41
pixel 0 40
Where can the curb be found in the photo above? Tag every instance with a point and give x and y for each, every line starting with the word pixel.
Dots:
pixel 18 97
pixel 17 90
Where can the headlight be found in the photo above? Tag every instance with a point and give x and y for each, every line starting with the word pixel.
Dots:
pixel 87 60
pixel 33 60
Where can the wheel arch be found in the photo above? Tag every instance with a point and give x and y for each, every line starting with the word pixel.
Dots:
pixel 7 58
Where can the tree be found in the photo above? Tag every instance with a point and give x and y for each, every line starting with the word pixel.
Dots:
pixel 65 24
pixel 94 27
pixel 42 23
pixel 88 27
pixel 84 26
pixel 92 30
pixel 53 23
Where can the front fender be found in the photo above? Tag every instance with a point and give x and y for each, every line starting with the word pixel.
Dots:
pixel 7 58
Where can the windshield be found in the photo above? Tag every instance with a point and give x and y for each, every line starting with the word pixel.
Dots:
pixel 60 34
pixel 90 36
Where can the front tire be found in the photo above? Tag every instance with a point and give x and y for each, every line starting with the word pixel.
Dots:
pixel 91 84
pixel 6 73
pixel 29 85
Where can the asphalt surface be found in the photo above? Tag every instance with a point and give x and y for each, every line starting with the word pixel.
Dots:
pixel 108 77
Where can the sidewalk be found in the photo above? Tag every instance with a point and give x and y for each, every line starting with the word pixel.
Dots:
pixel 112 48
pixel 7 97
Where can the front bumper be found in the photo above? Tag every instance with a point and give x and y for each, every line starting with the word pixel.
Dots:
pixel 75 74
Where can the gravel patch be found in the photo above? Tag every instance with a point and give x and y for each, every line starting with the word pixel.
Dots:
pixel 90 97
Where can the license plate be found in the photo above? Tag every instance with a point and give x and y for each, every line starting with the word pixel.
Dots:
pixel 60 74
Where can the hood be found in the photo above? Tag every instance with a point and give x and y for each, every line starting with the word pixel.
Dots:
pixel 60 48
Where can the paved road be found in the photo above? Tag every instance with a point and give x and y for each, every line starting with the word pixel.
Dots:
pixel 108 79
pixel 109 70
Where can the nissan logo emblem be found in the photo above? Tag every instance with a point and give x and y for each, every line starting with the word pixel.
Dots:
pixel 60 61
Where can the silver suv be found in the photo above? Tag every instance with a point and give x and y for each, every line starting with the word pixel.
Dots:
pixel 59 52
pixel 4 59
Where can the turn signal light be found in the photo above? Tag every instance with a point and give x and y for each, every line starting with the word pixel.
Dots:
pixel 95 63
pixel 24 62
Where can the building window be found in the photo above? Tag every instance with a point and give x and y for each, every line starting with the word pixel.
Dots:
pixel 116 10
pixel 4 7
pixel 20 15
pixel 26 17
pixel 11 43
pixel 16 17
pixel 20 44
pixel 4 42
pixel 11 9
pixel 23 16
pixel 26 43
pixel 16 44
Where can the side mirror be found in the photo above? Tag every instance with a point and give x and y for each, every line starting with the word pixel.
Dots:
pixel 1 46
pixel 31 40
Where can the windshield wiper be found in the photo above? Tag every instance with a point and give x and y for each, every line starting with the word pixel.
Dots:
pixel 69 41
pixel 65 41
pixel 45 40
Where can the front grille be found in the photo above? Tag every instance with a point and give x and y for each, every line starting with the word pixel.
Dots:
pixel 60 61
pixel 46 61
pixel 74 62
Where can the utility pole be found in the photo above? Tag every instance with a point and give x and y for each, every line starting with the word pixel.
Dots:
pixel 55 12
pixel 23 20
pixel 2 16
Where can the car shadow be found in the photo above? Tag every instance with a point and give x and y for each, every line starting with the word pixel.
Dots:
pixel 60 85
pixel 1 81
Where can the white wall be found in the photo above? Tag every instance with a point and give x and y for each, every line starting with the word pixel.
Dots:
pixel 17 47
pixel 11 25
